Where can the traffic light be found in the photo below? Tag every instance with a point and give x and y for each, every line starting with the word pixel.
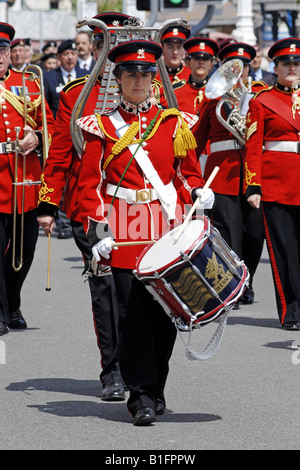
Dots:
pixel 176 4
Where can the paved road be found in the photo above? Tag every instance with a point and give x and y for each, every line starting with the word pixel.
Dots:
pixel 245 397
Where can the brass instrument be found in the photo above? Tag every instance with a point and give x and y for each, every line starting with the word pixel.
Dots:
pixel 17 264
pixel 108 95
pixel 226 83
pixel 32 77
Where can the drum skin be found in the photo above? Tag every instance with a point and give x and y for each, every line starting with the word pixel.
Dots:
pixel 204 279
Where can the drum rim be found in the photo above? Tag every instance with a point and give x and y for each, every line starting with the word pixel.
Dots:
pixel 207 227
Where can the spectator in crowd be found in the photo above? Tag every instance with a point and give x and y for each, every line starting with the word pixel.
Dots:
pixel 84 44
pixel 17 53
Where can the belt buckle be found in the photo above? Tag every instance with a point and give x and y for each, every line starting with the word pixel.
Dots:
pixel 298 147
pixel 9 147
pixel 143 195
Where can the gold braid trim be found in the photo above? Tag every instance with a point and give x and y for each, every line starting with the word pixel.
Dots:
pixel 249 176
pixel 44 191
pixel 18 104
pixel 184 139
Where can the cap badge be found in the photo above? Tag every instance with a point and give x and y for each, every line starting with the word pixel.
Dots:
pixel 175 31
pixel 116 23
pixel 241 51
pixel 202 45
pixel 141 54
pixel 293 48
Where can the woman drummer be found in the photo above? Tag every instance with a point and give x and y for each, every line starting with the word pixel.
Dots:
pixel 272 174
pixel 137 161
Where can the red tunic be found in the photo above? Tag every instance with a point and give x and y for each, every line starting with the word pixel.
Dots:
pixel 230 162
pixel 63 163
pixel 179 73
pixel 190 99
pixel 277 173
pixel 130 222
pixel 12 116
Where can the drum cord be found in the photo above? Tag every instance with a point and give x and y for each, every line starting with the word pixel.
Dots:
pixel 212 346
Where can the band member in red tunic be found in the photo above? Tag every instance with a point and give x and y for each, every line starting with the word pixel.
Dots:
pixel 136 167
pixel 272 174
pixel 190 92
pixel 12 114
pixel 239 224
pixel 172 42
pixel 60 178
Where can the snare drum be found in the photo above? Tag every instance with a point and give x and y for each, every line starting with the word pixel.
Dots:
pixel 195 279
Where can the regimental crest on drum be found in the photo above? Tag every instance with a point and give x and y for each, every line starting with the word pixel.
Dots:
pixel 216 271
pixel 192 290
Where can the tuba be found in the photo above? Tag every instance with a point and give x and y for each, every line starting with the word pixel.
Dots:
pixel 226 83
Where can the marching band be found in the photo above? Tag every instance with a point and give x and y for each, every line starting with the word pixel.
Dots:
pixel 134 178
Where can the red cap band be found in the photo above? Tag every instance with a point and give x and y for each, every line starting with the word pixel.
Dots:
pixel 140 54
pixel 201 48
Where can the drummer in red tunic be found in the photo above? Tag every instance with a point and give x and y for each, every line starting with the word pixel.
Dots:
pixel 138 166
pixel 272 174
pixel 190 92
pixel 240 227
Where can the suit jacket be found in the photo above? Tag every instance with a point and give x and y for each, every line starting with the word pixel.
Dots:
pixel 54 83
pixel 264 74
pixel 91 66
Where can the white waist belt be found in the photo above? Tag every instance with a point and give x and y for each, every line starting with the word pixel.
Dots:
pixel 224 145
pixel 282 146
pixel 133 196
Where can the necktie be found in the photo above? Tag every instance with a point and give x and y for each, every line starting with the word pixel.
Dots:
pixel 69 77
pixel 85 66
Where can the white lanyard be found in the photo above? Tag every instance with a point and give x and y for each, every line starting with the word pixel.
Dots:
pixel 167 194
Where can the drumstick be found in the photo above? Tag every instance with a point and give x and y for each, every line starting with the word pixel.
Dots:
pixel 48 288
pixel 146 242
pixel 205 187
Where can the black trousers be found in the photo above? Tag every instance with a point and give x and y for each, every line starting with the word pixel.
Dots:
pixel 241 226
pixel 105 312
pixel 11 281
pixel 147 336
pixel 282 224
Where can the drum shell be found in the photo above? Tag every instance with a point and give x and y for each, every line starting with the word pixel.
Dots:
pixel 202 284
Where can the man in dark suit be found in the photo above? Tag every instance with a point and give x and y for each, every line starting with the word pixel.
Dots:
pixel 84 44
pixel 68 70
pixel 257 73
pixel 54 82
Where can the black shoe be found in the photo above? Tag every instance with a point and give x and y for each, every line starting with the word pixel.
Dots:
pixel 236 306
pixel 291 326
pixel 65 233
pixel 160 407
pixel 17 321
pixel 144 416
pixel 3 328
pixel 113 392
pixel 248 296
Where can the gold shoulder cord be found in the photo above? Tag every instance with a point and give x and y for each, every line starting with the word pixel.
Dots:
pixel 184 139
pixel 18 104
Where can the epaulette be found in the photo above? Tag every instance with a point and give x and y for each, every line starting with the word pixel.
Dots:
pixel 262 91
pixel 74 83
pixel 157 82
pixel 178 84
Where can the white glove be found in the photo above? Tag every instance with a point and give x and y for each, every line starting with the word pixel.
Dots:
pixel 207 199
pixel 103 248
